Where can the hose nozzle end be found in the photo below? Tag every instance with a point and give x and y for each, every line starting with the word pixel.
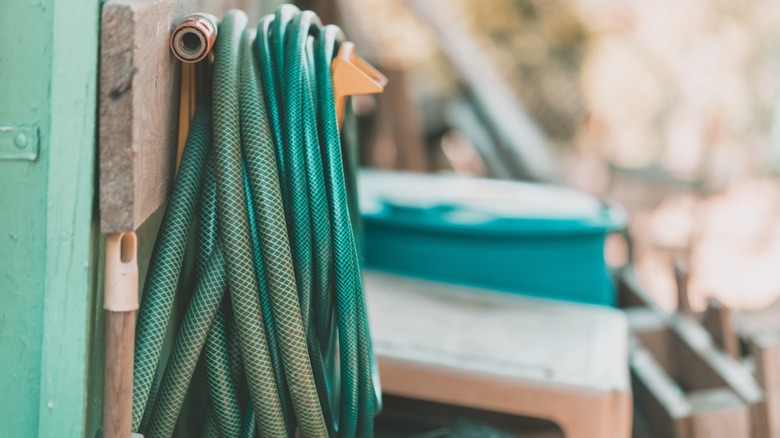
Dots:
pixel 193 38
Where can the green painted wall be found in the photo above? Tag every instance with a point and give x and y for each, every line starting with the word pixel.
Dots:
pixel 48 78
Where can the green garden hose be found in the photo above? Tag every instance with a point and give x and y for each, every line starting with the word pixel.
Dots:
pixel 277 317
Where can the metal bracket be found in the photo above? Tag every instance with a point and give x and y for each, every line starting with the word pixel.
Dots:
pixel 19 143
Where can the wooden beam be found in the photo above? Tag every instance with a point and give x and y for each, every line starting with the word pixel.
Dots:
pixel 681 276
pixel 138 109
pixel 719 322
pixel 765 350
pixel 698 342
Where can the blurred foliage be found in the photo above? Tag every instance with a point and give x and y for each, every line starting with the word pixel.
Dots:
pixel 539 47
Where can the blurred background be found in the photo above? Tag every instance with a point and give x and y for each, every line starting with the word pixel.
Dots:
pixel 668 108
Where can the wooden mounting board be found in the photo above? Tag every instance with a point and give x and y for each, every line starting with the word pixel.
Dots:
pixel 139 81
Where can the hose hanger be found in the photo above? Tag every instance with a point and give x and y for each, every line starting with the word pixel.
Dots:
pixel 193 38
pixel 353 75
pixel 275 337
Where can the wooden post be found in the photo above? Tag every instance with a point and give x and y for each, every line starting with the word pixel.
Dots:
pixel 765 350
pixel 681 278
pixel 719 321
pixel 118 389
pixel 120 304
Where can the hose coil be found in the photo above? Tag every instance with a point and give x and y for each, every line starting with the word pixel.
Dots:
pixel 276 325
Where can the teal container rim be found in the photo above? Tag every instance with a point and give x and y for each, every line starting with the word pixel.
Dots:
pixel 456 220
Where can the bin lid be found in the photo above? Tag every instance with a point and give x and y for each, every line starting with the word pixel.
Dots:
pixel 450 203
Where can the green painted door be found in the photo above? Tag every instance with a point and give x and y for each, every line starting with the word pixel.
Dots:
pixel 48 82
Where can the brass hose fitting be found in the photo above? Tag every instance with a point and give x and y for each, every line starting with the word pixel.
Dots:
pixel 193 38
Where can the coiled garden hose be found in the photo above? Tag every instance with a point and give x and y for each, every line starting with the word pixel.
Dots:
pixel 277 318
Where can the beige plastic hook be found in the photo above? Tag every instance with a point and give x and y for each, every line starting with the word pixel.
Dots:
pixel 353 75
pixel 121 282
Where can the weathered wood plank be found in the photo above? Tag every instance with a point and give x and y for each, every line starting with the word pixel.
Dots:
pixel 503 353
pixel 138 107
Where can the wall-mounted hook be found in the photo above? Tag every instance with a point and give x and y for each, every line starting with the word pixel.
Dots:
pixel 353 75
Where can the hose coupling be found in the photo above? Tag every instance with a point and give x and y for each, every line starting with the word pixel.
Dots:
pixel 193 38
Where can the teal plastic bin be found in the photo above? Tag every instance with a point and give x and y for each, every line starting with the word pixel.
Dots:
pixel 518 237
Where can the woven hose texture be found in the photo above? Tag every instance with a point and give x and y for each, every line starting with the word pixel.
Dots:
pixel 275 337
